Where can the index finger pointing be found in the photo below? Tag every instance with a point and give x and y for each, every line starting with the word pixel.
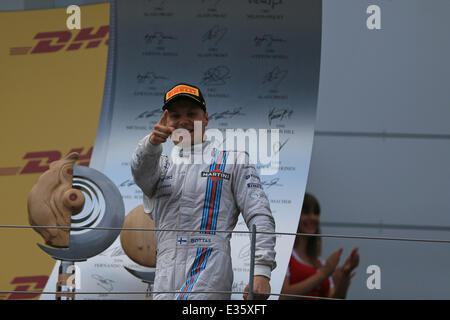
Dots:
pixel 163 120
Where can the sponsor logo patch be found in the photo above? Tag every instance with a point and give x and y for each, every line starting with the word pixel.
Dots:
pixel 252 176
pixel 216 175
pixel 254 185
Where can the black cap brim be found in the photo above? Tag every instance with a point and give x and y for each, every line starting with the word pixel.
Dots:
pixel 184 96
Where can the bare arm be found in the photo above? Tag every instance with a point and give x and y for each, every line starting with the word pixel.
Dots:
pixel 312 282
pixel 342 276
pixel 302 287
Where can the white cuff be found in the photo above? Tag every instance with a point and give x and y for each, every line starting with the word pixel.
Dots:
pixel 262 270
pixel 150 148
pixel 148 204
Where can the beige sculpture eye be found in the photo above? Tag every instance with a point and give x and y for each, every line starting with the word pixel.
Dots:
pixel 73 199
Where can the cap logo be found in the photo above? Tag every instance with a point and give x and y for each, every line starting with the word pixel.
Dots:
pixel 182 89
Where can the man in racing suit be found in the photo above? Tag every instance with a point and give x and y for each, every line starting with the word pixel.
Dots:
pixel 181 194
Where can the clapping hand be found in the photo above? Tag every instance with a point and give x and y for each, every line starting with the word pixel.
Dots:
pixel 331 263
pixel 351 263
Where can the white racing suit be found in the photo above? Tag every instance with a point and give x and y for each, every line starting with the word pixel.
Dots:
pixel 205 197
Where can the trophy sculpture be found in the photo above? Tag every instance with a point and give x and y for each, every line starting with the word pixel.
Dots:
pixel 72 207
pixel 140 246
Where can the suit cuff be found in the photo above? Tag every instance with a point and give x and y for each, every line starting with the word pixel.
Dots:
pixel 150 148
pixel 262 270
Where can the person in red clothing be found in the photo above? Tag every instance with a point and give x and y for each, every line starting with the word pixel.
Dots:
pixel 307 274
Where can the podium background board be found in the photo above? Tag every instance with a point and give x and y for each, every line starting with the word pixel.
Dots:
pixel 258 67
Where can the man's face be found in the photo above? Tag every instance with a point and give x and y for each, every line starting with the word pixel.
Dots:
pixel 182 114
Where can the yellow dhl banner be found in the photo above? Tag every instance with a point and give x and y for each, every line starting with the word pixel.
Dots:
pixel 51 89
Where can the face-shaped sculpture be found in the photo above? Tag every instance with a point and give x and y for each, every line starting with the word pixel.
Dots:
pixel 52 201
pixel 140 246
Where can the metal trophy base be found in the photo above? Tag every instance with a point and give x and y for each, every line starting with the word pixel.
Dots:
pixel 66 281
pixel 146 277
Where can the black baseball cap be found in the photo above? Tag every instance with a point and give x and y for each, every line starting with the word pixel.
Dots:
pixel 184 90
